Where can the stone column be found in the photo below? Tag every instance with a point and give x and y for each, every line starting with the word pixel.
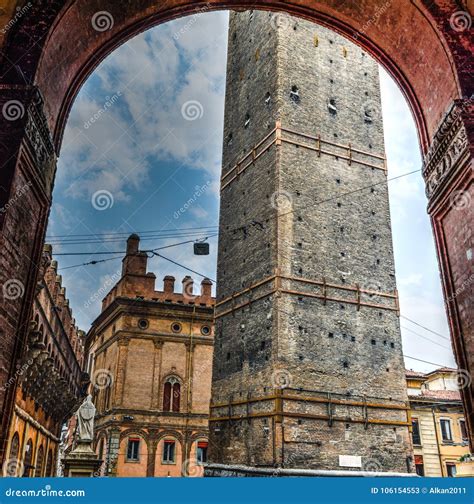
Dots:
pixel 155 394
pixel 28 164
pixel 448 172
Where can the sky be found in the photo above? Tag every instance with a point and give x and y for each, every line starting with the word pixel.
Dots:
pixel 142 153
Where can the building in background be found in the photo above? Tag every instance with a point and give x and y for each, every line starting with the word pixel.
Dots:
pixel 439 431
pixel 50 379
pixel 150 358
pixel 308 352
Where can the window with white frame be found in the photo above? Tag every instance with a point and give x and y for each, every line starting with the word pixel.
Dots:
pixel 446 431
pixel 169 451
pixel 133 447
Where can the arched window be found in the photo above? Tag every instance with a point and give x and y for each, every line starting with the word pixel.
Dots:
pixel 171 394
pixel 13 464
pixel 28 458
pixel 49 464
pixel 39 463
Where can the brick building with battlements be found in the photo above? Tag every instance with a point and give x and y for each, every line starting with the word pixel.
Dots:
pixel 49 381
pixel 150 360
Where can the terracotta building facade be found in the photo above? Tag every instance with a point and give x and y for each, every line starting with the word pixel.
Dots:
pixel 150 359
pixel 49 380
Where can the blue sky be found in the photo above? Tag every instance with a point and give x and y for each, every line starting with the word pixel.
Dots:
pixel 142 151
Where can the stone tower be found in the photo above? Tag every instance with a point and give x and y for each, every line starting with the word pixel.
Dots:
pixel 308 369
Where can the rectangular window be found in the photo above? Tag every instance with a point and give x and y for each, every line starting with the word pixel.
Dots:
pixel 451 470
pixel 415 431
pixel 201 452
pixel 419 466
pixel 169 452
pixel 463 428
pixel 446 432
pixel 132 449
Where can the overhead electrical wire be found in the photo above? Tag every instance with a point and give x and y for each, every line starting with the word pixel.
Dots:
pixel 426 328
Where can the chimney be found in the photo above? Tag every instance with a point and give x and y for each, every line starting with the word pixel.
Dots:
pixel 188 284
pixel 134 262
pixel 133 243
pixel 168 283
pixel 206 288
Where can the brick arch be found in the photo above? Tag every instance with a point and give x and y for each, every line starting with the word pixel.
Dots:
pixel 136 432
pixel 394 36
pixel 51 49
pixel 170 433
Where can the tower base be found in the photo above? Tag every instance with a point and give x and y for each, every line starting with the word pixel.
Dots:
pixel 236 471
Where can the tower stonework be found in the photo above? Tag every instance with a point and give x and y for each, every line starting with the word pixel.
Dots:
pixel 308 368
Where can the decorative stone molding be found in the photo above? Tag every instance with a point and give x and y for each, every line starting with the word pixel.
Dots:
pixel 37 132
pixel 449 149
